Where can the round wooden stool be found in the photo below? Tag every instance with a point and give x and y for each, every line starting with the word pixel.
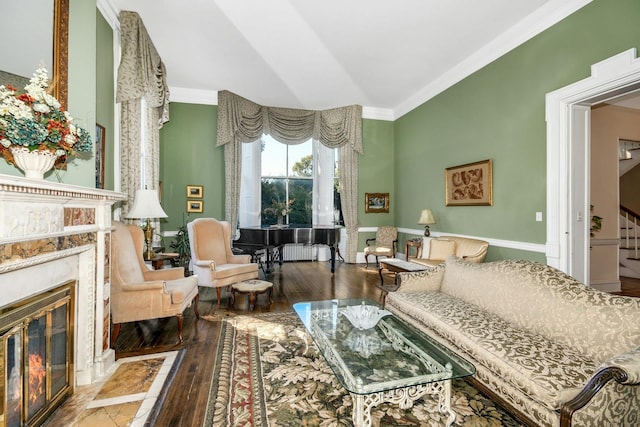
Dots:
pixel 252 287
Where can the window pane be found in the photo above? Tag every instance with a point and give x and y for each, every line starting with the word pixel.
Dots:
pixel 302 209
pixel 273 189
pixel 301 159
pixel 274 158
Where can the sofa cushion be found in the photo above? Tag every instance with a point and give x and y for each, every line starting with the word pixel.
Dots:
pixel 441 249
pixel 421 281
pixel 547 371
pixel 426 247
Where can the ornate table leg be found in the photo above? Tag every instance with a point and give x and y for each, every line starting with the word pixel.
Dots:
pixel 404 397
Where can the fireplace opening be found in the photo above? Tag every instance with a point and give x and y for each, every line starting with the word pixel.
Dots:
pixel 36 356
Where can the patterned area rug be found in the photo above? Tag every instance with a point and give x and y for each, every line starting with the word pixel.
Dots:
pixel 269 373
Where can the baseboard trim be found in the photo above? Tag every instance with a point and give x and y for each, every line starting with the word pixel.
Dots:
pixel 606 285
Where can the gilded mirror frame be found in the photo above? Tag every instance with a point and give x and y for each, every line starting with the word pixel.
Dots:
pixel 60 50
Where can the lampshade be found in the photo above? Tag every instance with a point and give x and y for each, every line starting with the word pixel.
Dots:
pixel 146 205
pixel 426 217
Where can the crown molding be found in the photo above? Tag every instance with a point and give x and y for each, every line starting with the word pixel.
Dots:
pixel 210 97
pixel 550 14
pixel 110 13
pixel 193 96
pixel 378 113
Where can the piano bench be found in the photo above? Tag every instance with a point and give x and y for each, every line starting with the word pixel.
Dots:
pixel 252 287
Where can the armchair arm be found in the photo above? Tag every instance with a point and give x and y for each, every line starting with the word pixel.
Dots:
pixel 624 368
pixel 144 286
pixel 239 259
pixel 164 274
pixel 204 263
pixel 368 241
pixel 478 256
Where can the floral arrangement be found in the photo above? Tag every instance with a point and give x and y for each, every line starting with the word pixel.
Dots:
pixel 278 208
pixel 35 120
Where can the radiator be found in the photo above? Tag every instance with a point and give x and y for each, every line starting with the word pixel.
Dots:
pixel 293 252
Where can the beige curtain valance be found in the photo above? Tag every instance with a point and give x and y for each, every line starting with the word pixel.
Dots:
pixel 141 72
pixel 241 120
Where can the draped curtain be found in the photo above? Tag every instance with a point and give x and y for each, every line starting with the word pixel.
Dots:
pixel 241 120
pixel 143 94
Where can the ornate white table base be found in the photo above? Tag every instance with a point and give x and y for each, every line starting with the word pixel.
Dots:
pixel 404 397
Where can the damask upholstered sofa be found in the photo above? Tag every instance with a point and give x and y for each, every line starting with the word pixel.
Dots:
pixel 553 350
pixel 434 250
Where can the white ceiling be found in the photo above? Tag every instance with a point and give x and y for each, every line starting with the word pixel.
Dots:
pixel 389 56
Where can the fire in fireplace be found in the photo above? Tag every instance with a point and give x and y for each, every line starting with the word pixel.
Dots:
pixel 36 356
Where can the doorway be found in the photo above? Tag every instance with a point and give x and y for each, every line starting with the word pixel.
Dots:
pixel 568 158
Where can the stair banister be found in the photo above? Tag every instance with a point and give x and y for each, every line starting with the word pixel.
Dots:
pixel 628 213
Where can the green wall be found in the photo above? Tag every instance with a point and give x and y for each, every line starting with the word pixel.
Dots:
pixel 376 174
pixel 499 113
pixel 82 89
pixel 189 156
pixel 105 92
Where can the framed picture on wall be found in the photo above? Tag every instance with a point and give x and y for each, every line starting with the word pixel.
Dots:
pixel 100 135
pixel 195 206
pixel 469 185
pixel 376 202
pixel 195 191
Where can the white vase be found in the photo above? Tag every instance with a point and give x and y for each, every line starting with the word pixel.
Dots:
pixel 35 163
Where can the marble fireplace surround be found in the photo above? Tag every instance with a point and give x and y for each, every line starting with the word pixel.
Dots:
pixel 51 233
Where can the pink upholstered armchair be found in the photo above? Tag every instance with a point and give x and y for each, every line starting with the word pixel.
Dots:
pixel 138 293
pixel 211 257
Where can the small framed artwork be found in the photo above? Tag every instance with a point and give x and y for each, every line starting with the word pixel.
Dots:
pixel 469 185
pixel 195 191
pixel 100 135
pixel 194 206
pixel 376 202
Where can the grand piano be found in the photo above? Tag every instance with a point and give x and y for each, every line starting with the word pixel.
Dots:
pixel 272 239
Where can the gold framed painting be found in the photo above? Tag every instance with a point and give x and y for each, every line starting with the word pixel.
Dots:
pixel 195 206
pixel 469 185
pixel 100 151
pixel 195 191
pixel 376 202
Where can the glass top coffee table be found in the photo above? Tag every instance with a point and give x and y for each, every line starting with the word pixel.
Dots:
pixel 381 360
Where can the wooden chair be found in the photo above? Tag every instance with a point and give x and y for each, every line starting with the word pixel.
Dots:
pixel 138 293
pixel 384 244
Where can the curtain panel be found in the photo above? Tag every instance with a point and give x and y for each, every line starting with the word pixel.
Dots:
pixel 241 120
pixel 143 94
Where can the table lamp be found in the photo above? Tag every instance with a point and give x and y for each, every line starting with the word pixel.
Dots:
pixel 426 218
pixel 146 205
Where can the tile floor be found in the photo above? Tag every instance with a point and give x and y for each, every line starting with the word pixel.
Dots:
pixel 124 398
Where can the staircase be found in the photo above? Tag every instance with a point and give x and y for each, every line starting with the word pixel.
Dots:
pixel 628 154
pixel 629 243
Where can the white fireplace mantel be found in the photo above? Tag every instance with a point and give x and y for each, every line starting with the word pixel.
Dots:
pixel 51 233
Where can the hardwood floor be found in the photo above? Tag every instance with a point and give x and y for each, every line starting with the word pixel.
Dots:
pixel 185 402
pixel 630 287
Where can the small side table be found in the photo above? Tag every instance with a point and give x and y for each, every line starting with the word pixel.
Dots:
pixel 158 261
pixel 412 243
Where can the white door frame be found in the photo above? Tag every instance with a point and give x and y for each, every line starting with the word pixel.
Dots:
pixel 568 143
